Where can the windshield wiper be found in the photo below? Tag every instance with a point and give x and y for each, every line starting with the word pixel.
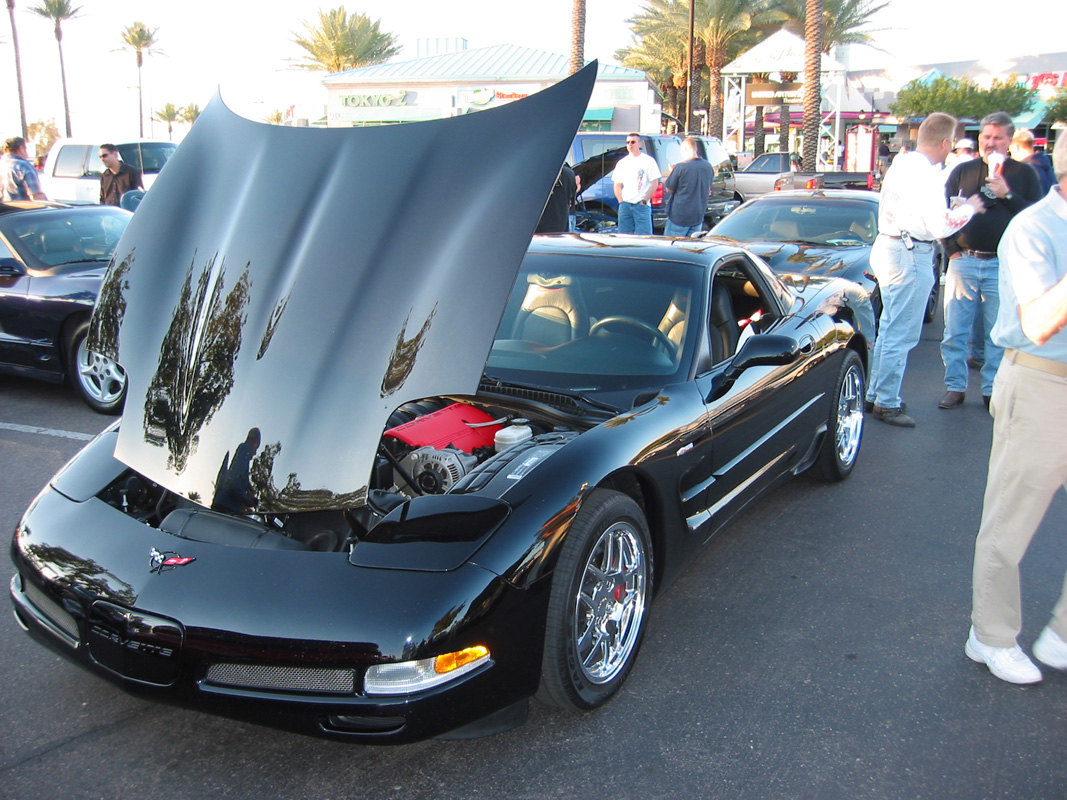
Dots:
pixel 493 382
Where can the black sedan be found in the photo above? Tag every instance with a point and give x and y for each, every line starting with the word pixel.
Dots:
pixel 52 262
pixel 820 232
pixel 380 486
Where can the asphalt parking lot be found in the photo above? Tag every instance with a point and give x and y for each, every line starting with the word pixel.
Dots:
pixel 814 650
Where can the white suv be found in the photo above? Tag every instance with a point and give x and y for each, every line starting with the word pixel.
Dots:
pixel 71 172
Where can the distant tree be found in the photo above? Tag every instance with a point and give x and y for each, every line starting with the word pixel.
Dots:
pixel 142 41
pixel 43 134
pixel 962 98
pixel 344 41
pixel 577 37
pixel 59 11
pixel 273 118
pixel 663 62
pixel 190 112
pixel 18 66
pixel 169 114
pixel 1057 109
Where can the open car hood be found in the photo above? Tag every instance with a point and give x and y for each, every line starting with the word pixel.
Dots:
pixel 596 167
pixel 280 291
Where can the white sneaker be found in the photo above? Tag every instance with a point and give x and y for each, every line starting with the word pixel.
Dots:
pixel 1007 663
pixel 1051 649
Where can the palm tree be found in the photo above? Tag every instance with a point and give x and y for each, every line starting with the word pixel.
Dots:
pixel 577 37
pixel 190 113
pixel 18 65
pixel 344 41
pixel 663 62
pixel 169 114
pixel 723 27
pixel 142 40
pixel 812 80
pixel 59 11
pixel 843 21
pixel 274 117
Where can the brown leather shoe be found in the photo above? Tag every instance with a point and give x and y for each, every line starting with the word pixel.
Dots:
pixel 951 400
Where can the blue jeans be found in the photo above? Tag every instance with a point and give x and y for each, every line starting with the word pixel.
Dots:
pixel 673 229
pixel 971 290
pixel 905 278
pixel 635 218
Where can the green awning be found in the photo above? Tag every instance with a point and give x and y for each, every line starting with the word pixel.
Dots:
pixel 1032 118
pixel 598 115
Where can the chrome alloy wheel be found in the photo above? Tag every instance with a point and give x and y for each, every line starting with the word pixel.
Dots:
pixel 850 415
pixel 100 378
pixel 611 602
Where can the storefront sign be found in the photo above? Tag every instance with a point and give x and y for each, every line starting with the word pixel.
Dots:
pixel 400 98
pixel 774 94
pixel 1056 80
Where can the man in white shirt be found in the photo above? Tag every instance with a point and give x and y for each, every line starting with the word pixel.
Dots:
pixel 635 178
pixel 912 213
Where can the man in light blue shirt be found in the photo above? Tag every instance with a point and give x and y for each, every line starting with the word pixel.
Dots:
pixel 1028 460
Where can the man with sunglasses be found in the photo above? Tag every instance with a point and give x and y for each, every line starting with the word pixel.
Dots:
pixel 117 178
pixel 635 179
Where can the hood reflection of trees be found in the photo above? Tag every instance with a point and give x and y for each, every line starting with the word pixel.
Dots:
pixel 196 361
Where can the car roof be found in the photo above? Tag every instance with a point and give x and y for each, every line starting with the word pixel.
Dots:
pixel 693 251
pixel 10 206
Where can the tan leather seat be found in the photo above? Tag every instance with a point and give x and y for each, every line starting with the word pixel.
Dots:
pixel 552 311
pixel 675 318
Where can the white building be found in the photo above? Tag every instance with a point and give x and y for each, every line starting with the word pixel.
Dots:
pixel 456 83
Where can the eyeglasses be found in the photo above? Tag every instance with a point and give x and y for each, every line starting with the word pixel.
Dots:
pixel 633 141
pixel 104 156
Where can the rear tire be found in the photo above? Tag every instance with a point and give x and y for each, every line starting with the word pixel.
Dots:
pixel 99 380
pixel 598 604
pixel 844 430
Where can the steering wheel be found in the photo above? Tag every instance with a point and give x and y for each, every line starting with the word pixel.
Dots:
pixel 656 333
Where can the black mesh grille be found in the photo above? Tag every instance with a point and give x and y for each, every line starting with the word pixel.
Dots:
pixel 316 680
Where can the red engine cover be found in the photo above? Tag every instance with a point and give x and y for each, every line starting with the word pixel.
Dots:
pixel 449 426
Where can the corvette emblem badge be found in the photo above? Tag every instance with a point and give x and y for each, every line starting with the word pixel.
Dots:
pixel 166 561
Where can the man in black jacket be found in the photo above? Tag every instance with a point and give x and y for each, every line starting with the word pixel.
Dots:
pixel 117 178
pixel 971 280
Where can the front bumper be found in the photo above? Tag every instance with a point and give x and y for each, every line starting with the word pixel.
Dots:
pixel 280 638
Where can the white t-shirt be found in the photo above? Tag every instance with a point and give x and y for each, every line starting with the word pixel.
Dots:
pixel 636 174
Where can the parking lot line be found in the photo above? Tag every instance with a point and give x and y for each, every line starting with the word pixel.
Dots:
pixel 10 426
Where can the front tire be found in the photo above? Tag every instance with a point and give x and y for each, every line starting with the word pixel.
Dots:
pixel 99 380
pixel 598 604
pixel 844 431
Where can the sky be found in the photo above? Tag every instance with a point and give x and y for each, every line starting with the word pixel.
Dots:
pixel 219 45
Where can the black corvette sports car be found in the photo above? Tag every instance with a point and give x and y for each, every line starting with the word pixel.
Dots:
pixel 384 487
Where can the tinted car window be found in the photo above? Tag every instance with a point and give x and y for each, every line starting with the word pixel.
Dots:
pixel 616 314
pixel 51 237
pixel 600 145
pixel 70 162
pixel 822 221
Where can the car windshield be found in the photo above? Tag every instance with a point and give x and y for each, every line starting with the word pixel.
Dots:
pixel 587 324
pixel 50 237
pixel 808 220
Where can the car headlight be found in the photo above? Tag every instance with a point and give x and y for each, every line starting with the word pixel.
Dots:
pixel 406 677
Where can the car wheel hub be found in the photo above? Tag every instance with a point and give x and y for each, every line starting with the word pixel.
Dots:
pixel 610 603
pixel 850 416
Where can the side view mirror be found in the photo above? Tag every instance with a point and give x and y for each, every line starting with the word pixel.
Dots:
pixel 759 350
pixel 11 266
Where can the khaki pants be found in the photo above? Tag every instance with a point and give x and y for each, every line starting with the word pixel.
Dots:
pixel 1027 464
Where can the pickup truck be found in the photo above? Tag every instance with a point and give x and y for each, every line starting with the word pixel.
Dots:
pixel 771 172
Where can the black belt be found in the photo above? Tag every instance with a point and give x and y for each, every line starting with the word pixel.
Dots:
pixel 983 255
pixel 917 241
